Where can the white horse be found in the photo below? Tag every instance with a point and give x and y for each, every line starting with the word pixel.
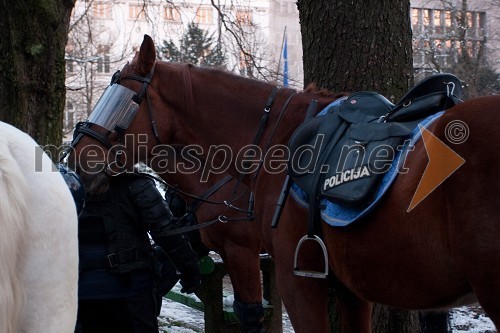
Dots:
pixel 38 240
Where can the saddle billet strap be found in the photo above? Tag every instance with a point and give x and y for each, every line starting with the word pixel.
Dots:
pixel 311 112
pixel 313 217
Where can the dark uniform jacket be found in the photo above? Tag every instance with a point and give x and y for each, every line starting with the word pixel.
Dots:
pixel 115 248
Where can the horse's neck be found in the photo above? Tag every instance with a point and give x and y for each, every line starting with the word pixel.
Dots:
pixel 228 111
pixel 233 115
pixel 243 129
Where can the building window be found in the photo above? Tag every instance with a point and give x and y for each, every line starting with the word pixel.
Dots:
pixel 70 65
pixel 70 116
pixel 244 63
pixel 438 21
pixel 418 53
pixel 136 12
pixel 171 14
pixel 447 19
pixel 101 10
pixel 103 65
pixel 427 18
pixel 438 36
pixel 244 17
pixel 204 16
pixel 416 20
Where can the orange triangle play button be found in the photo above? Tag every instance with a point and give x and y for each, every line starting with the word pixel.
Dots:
pixel 443 162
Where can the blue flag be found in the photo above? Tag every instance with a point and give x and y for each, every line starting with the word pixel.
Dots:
pixel 285 64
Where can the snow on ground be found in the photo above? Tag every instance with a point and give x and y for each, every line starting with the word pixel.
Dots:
pixel 471 319
pixel 178 318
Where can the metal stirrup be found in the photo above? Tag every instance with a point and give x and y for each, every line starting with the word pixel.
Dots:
pixel 311 274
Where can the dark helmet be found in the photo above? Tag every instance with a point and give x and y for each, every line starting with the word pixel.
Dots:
pixel 75 185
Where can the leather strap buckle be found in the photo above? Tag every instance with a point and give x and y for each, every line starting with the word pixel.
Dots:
pixel 112 260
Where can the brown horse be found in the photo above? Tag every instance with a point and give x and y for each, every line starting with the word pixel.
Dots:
pixel 206 201
pixel 237 241
pixel 442 253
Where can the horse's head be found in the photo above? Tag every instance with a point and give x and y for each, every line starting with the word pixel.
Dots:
pixel 121 124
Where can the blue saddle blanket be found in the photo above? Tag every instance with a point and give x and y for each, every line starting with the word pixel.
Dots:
pixel 339 215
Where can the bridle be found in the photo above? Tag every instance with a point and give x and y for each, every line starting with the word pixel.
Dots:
pixel 86 128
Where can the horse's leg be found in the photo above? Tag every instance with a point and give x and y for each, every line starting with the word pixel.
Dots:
pixel 478 251
pixel 243 266
pixel 239 247
pixel 355 312
pixel 475 224
pixel 305 299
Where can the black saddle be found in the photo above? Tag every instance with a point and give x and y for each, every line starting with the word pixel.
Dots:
pixel 343 155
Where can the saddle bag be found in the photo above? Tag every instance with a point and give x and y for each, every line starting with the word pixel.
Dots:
pixel 308 144
pixel 342 156
pixel 359 161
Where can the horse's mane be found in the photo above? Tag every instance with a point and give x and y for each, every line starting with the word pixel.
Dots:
pixel 215 74
pixel 186 82
pixel 187 86
pixel 312 88
pixel 222 75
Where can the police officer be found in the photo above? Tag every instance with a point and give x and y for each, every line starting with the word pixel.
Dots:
pixel 116 283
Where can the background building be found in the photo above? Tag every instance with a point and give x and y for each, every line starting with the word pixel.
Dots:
pixel 104 35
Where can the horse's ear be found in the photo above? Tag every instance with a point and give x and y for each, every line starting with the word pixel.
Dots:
pixel 147 55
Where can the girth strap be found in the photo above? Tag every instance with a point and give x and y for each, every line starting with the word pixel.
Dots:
pixel 311 112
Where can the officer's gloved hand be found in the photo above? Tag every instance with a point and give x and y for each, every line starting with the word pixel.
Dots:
pixel 190 274
pixel 190 281
pixel 185 259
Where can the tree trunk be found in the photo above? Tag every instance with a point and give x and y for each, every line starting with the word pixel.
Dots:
pixel 32 66
pixel 350 46
pixel 389 320
pixel 357 45
pixel 434 322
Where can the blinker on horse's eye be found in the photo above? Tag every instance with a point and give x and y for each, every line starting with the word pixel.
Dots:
pixel 115 78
